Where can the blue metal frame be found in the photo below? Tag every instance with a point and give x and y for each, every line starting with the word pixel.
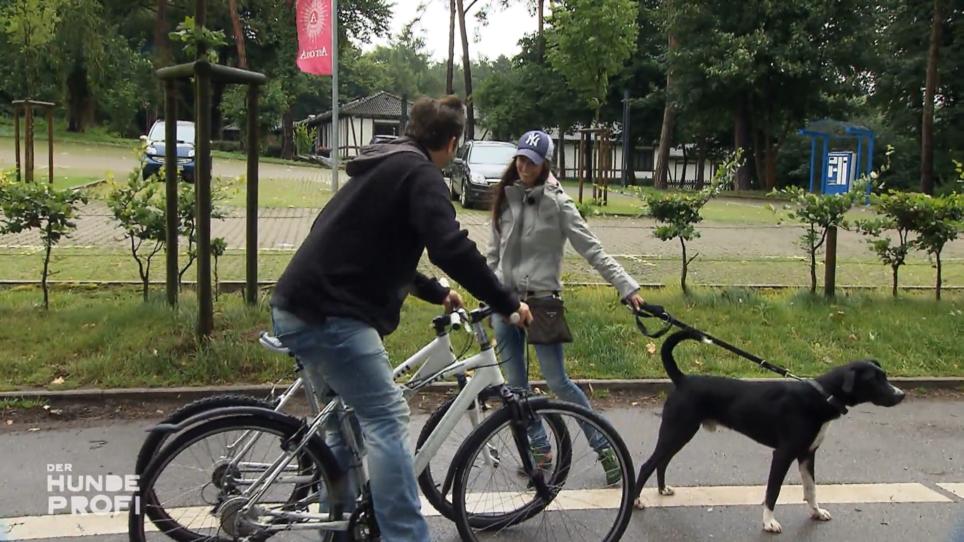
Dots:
pixel 855 133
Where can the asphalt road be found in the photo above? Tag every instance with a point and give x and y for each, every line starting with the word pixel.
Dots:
pixel 884 474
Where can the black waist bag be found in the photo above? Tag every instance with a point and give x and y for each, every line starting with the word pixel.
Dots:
pixel 548 324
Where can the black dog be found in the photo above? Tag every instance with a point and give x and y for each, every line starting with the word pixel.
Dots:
pixel 790 416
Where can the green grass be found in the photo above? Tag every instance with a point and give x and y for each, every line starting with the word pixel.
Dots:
pixel 20 404
pixel 109 338
pixel 112 265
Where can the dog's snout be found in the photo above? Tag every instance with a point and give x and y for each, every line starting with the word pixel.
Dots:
pixel 898 393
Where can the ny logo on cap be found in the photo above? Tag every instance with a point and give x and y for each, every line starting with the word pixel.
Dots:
pixel 533 140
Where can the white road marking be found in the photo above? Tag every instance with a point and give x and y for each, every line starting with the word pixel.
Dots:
pixel 62 525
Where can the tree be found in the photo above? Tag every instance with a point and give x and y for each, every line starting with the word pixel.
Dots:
pixel 187 218
pixel 677 213
pixel 666 131
pixel 40 206
pixel 31 26
pixel 930 86
pixel 588 42
pixel 938 223
pixel 450 61
pixel 818 213
pixel 218 246
pixel 138 207
pixel 898 211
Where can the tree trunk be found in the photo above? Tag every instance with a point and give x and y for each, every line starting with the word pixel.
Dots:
pixel 46 271
pixel 770 166
pixel 813 263
pixel 562 151
pixel 450 65
pixel 895 268
pixel 930 87
pixel 666 131
pixel 238 34
pixel 741 140
pixel 682 278
pixel 467 72
pixel 77 95
pixel 541 15
pixel 162 47
pixel 700 167
pixel 937 288
pixel 682 178
pixel 288 135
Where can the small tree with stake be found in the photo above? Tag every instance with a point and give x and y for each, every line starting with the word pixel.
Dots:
pixel 818 213
pixel 28 206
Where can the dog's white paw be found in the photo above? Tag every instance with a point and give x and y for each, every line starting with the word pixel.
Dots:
pixel 667 491
pixel 770 523
pixel 639 504
pixel 820 514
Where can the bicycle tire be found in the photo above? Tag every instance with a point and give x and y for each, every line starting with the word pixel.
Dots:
pixel 270 421
pixel 426 479
pixel 155 439
pixel 543 407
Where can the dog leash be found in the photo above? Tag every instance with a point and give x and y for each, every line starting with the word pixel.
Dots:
pixel 647 310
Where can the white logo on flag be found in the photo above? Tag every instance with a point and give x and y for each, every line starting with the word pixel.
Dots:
pixel 533 140
pixel 316 15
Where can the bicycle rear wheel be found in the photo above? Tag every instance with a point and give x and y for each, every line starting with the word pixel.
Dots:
pixel 589 499
pixel 197 484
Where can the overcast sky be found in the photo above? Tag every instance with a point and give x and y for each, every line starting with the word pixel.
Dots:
pixel 499 37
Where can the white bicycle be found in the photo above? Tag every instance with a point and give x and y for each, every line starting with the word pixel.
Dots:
pixel 222 476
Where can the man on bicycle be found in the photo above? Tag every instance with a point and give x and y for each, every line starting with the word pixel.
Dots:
pixel 344 288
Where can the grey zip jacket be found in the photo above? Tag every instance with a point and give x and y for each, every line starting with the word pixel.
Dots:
pixel 527 253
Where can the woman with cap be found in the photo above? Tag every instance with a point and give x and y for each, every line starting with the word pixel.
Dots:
pixel 532 217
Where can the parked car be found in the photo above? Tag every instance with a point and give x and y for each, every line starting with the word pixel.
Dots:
pixel 476 168
pixel 154 154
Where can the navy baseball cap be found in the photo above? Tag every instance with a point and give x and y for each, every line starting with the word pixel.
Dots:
pixel 535 145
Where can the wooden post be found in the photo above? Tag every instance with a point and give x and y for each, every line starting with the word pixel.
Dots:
pixel 830 271
pixel 50 145
pixel 251 241
pixel 170 181
pixel 16 138
pixel 28 141
pixel 202 92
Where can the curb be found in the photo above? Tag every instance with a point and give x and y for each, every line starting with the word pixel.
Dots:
pixel 642 386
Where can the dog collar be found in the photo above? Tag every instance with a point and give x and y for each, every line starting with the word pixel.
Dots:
pixel 831 400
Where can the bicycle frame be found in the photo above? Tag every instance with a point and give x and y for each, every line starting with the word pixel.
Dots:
pixel 486 374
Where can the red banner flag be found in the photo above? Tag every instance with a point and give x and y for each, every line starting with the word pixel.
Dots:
pixel 313 18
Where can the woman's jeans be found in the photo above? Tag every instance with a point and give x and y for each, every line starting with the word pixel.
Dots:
pixel 347 357
pixel 511 346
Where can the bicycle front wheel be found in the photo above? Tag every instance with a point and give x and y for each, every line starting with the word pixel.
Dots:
pixel 533 494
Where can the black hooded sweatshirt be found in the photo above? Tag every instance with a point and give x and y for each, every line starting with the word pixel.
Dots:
pixel 360 257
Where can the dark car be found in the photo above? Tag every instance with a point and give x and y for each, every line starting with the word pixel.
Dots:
pixel 154 153
pixel 476 168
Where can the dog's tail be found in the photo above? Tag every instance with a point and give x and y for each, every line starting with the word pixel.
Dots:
pixel 669 362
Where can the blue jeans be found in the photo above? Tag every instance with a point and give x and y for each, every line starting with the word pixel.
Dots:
pixel 347 356
pixel 511 346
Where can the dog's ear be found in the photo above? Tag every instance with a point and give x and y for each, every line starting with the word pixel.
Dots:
pixel 849 378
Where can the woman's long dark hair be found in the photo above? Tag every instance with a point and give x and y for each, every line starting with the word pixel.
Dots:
pixel 509 176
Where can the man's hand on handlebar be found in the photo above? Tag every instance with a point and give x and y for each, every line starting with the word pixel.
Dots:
pixel 452 301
